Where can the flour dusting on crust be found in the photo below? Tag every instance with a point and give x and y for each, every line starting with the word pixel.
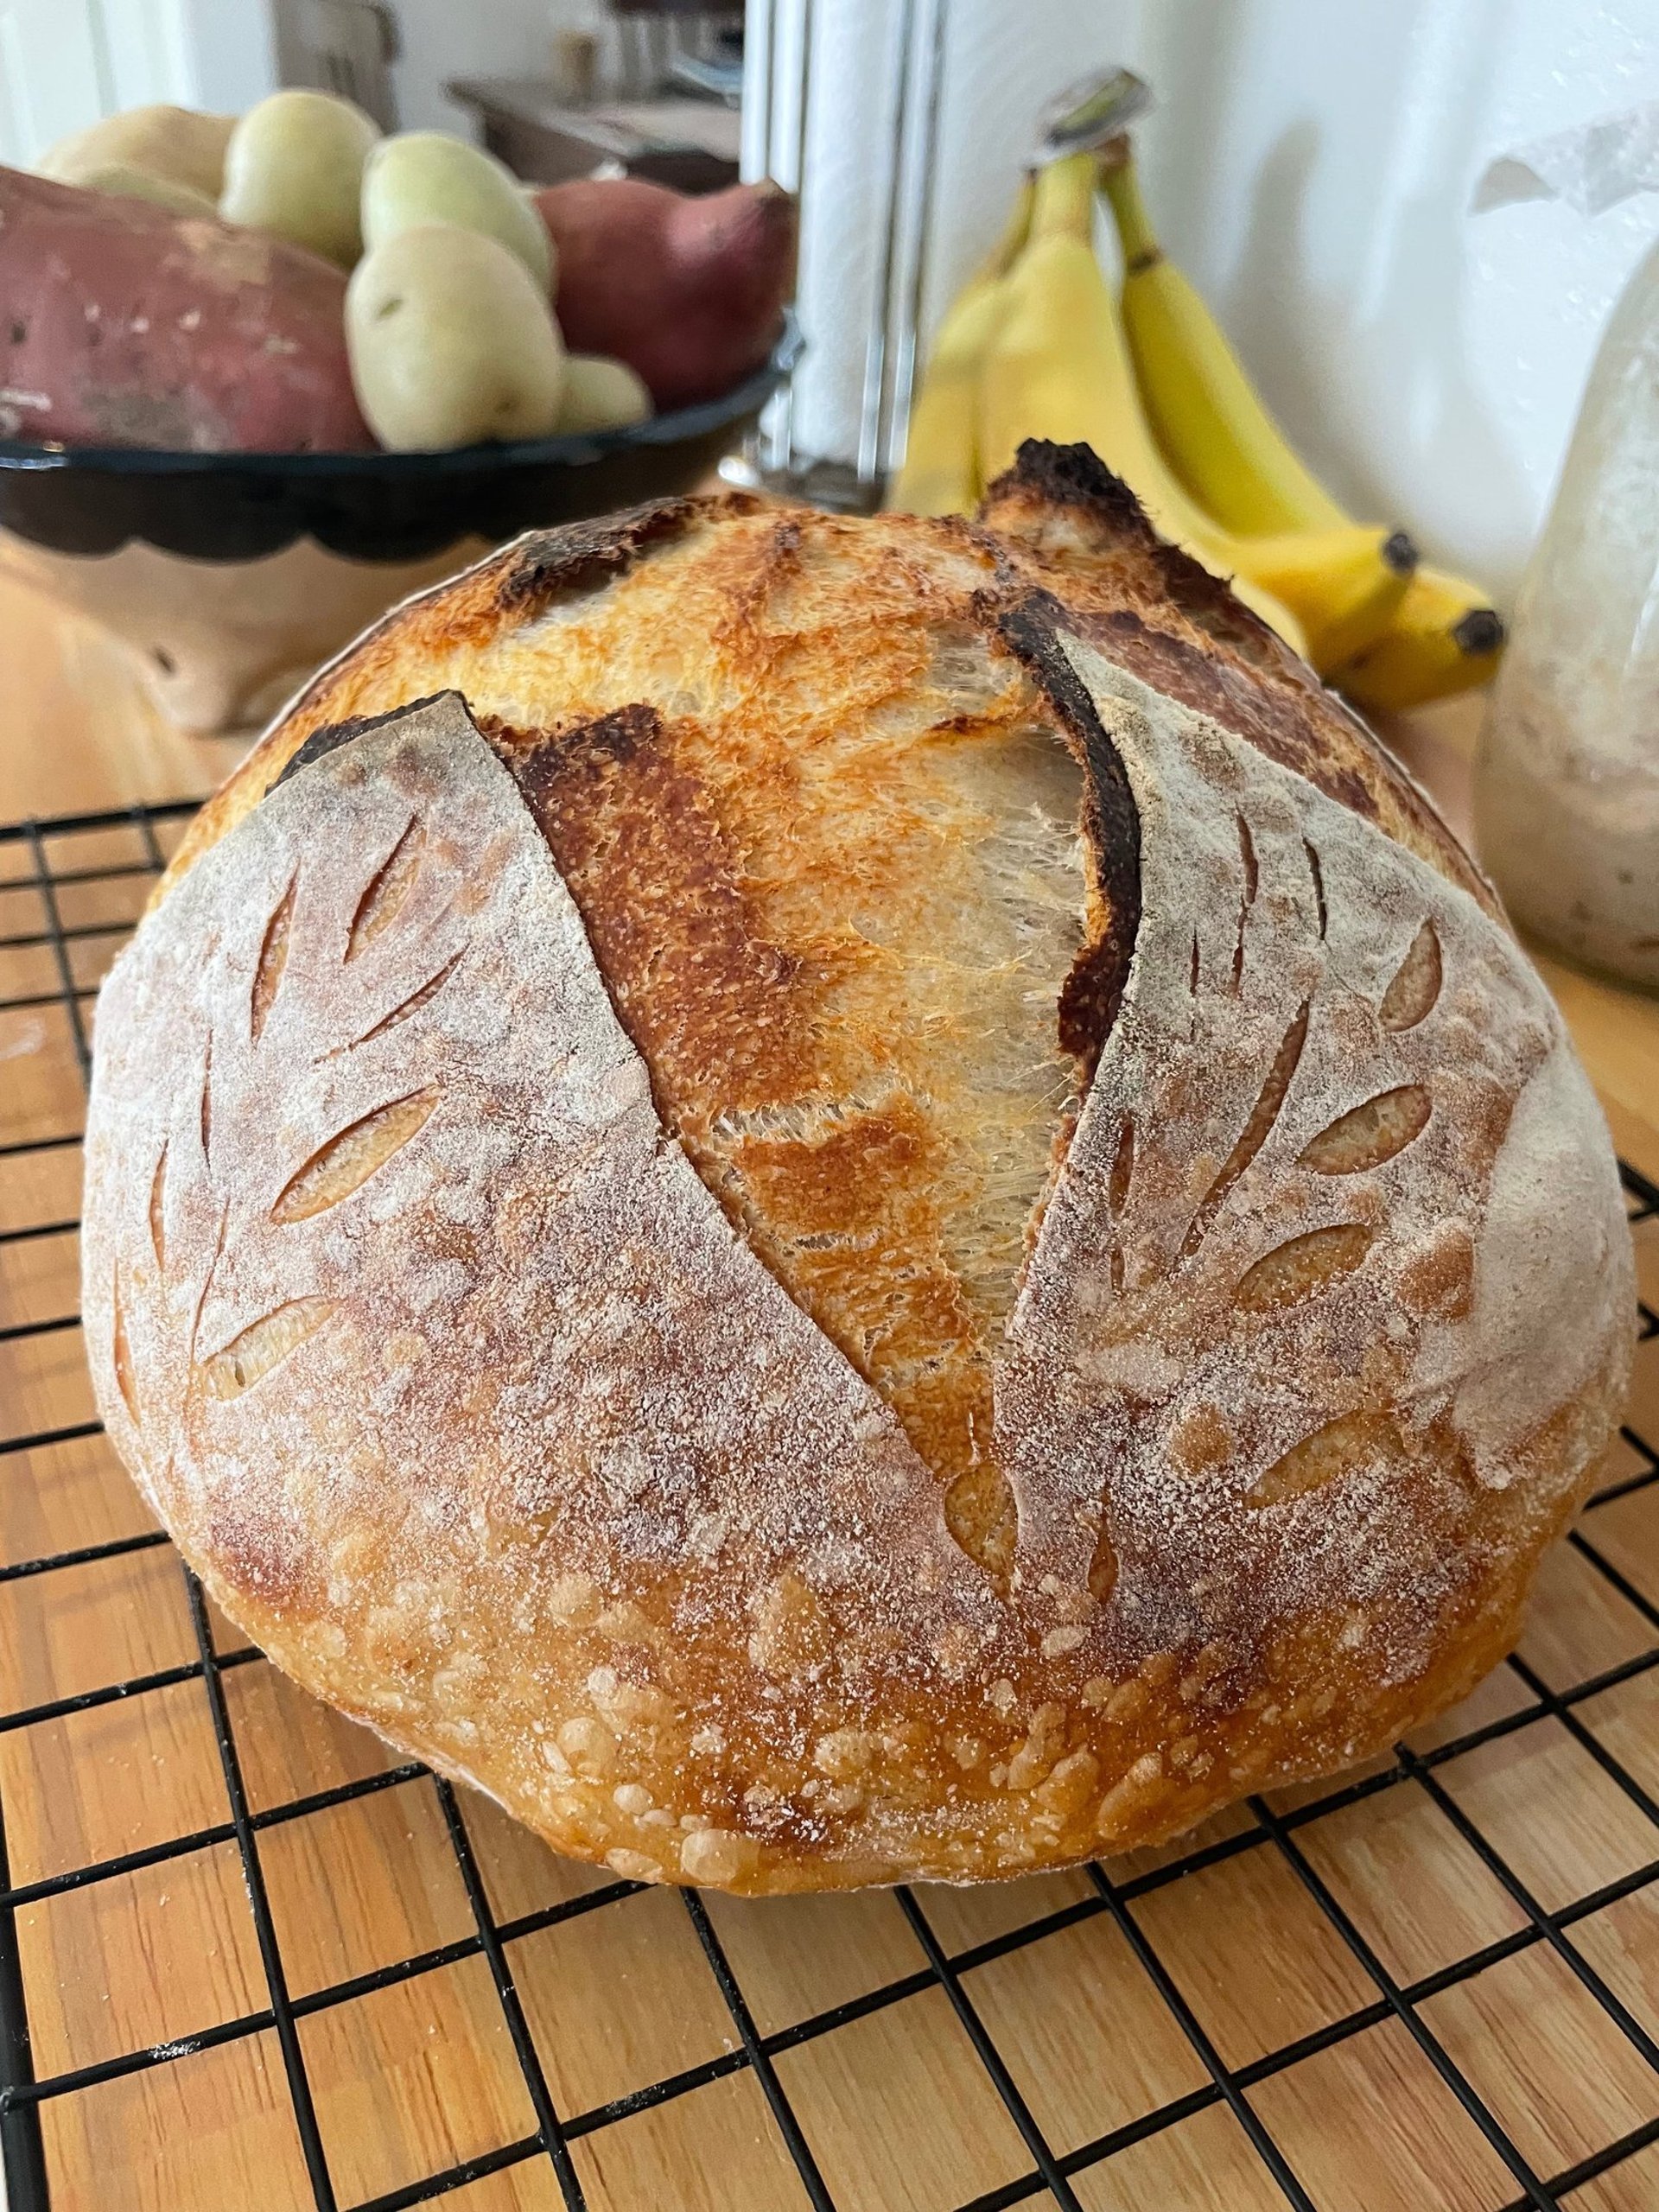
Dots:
pixel 422 1333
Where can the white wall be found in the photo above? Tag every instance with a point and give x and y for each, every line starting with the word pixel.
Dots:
pixel 54 73
pixel 1310 165
pixel 446 38
pixel 1313 167
pixel 63 63
pixel 228 50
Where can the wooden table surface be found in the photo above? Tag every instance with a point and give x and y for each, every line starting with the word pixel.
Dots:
pixel 1229 2037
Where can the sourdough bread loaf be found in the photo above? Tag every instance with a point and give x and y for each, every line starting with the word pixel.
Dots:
pixel 832 1199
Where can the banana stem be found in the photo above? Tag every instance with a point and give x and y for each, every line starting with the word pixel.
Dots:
pixel 1064 204
pixel 1123 188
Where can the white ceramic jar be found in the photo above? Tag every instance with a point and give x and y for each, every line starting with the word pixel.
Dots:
pixel 1566 784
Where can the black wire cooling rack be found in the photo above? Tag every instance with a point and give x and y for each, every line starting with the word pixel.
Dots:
pixel 70 888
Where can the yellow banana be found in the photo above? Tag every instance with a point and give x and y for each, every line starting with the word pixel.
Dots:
pixel 1344 585
pixel 1211 427
pixel 1439 641
pixel 940 474
pixel 1205 414
pixel 1058 368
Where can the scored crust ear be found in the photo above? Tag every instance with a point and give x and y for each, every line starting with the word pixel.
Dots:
pixel 1176 625
pixel 1068 505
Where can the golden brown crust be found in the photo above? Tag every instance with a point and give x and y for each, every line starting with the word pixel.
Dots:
pixel 679 1245
pixel 449 622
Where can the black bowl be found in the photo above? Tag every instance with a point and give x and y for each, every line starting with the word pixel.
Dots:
pixel 371 506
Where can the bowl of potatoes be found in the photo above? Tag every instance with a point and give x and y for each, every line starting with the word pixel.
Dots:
pixel 262 377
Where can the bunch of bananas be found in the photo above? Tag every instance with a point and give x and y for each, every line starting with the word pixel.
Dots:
pixel 1037 345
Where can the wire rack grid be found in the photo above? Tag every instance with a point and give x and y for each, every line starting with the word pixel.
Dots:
pixel 1496 1880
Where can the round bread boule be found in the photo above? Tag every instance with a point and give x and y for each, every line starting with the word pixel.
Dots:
pixel 832 1199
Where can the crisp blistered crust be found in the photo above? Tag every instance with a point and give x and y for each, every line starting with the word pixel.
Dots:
pixel 490 1375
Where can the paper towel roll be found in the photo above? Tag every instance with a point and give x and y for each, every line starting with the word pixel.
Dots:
pixel 918 116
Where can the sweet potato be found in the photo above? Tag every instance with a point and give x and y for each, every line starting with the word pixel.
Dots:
pixel 121 324
pixel 688 292
pixel 144 184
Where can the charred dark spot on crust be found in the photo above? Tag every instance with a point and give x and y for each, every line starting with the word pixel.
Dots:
pixel 1093 991
pixel 584 555
pixel 331 735
pixel 1075 477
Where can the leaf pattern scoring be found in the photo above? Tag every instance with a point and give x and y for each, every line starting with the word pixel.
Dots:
pixel 347 1161
pixel 1410 997
pixel 158 1209
pixel 388 889
pixel 262 1345
pixel 1256 1132
pixel 121 1354
pixel 1294 1270
pixel 1365 1438
pixel 273 958
pixel 1371 1133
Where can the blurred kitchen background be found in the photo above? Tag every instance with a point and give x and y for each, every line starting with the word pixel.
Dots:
pixel 1313 167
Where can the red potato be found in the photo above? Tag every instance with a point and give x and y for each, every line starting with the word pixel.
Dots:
pixel 690 292
pixel 123 325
